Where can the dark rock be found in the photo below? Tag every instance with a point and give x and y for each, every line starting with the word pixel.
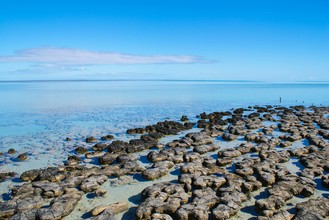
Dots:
pixel 52 174
pixel 81 150
pixel 60 206
pixel 91 139
pixel 27 215
pixel 28 203
pixel 30 175
pixel 312 209
pixel 285 144
pixel 107 158
pixel 4 176
pixel 154 156
pixel 136 131
pixel 26 190
pixel 289 185
pixel 254 115
pixel 157 170
pixel 250 185
pixel 276 156
pixel 181 143
pixel 192 211
pixel 49 190
pixel 124 158
pixel 203 124
pixel 136 145
pixel 244 148
pixel 73 160
pixel 238 111
pixel 244 172
pixel 205 148
pixel 93 182
pixel 132 167
pixel 184 118
pixel 117 146
pixel 7 209
pixel 188 125
pixel 272 203
pixel 99 147
pixel 11 151
pixel 107 137
pixel 229 153
pixel 211 181
pixel 161 198
pixel 312 172
pixel 94 154
pixel 325 180
pixel 199 138
pixel 229 203
pixel 229 137
pixel 224 161
pixel 191 156
pixel 72 182
pixel 194 167
pixel 168 127
pixel 266 178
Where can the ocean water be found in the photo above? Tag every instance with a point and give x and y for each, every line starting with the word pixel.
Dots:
pixel 37 116
pixel 28 108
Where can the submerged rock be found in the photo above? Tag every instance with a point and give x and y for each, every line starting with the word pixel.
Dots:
pixel 91 139
pixel 107 137
pixel 22 157
pixel 99 147
pixel 81 150
pixel 11 151
pixel 4 176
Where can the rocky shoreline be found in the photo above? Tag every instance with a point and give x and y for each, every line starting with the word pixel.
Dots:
pixel 212 182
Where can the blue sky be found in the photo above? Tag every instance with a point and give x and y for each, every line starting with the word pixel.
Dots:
pixel 272 40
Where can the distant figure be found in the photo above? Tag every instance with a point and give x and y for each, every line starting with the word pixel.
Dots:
pixel 280 99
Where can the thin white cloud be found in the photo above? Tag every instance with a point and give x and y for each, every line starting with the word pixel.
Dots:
pixel 69 56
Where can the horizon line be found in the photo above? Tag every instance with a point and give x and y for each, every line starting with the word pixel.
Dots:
pixel 159 80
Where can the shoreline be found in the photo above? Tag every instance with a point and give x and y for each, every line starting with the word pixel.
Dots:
pixel 196 163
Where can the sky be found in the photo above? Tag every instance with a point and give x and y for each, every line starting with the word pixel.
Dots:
pixel 262 40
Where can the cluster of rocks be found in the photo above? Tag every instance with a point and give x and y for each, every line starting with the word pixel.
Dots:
pixel 214 192
pixel 52 193
pixel 212 182
pixel 163 128
pixel 107 154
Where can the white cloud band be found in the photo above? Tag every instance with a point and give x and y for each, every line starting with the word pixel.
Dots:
pixel 69 56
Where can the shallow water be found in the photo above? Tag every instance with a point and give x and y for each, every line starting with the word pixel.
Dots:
pixel 30 107
pixel 36 117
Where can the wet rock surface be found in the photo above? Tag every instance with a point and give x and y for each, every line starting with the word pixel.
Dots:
pixel 213 181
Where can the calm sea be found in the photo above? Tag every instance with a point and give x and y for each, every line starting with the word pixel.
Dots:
pixel 28 107
pixel 36 117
